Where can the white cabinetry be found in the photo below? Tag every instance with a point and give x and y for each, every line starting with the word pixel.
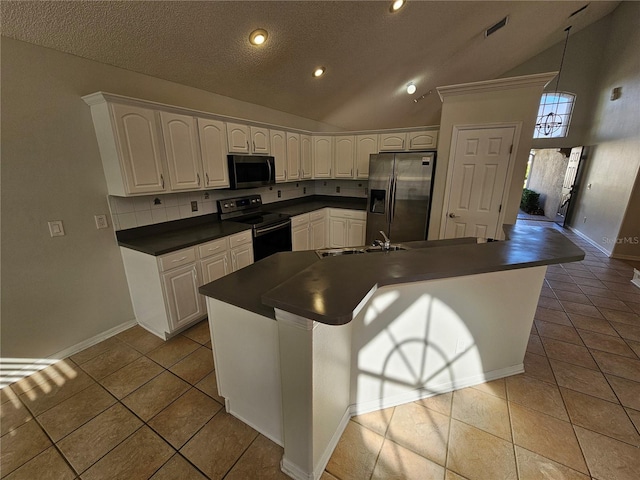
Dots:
pixel 213 150
pixel 309 230
pixel 306 157
pixel 293 156
pixel 344 156
pixel 129 140
pixel 322 156
pixel 402 141
pixel 424 140
pixel 279 152
pixel 365 146
pixel 181 146
pixel 347 228
pixel 245 139
pixel 392 142
pixel 164 289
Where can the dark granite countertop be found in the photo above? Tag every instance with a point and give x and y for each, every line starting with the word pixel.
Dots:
pixel 329 290
pixel 171 236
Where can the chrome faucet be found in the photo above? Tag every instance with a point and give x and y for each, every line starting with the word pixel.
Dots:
pixel 386 245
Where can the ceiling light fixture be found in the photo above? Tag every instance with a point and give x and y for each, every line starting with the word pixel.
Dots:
pixel 396 5
pixel 411 88
pixel 258 37
pixel 318 72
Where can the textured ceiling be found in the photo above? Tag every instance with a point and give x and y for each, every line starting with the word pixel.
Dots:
pixel 370 54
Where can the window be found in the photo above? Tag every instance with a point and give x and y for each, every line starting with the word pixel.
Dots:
pixel 554 115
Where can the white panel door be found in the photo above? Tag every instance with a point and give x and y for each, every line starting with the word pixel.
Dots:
pixel 279 152
pixel 306 159
pixel 365 146
pixel 215 267
pixel 337 232
pixel 181 291
pixel 241 257
pixel 213 149
pixel 139 147
pixel 237 138
pixel 356 233
pixel 480 165
pixel 300 237
pixel 260 140
pixel 344 156
pixel 322 154
pixel 293 156
pixel 181 146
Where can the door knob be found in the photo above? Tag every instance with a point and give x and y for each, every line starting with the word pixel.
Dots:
pixel 452 215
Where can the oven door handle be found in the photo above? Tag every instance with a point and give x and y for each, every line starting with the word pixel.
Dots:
pixel 265 230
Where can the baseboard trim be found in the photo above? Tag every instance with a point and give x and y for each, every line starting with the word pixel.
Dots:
pixel 590 241
pixel 326 455
pixel 618 256
pixel 28 366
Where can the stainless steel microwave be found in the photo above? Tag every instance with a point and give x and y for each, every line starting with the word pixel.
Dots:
pixel 250 171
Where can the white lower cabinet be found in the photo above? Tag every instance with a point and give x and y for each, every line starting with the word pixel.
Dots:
pixel 309 231
pixel 164 289
pixel 347 228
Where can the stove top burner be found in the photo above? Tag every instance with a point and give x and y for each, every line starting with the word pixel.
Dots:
pixel 261 219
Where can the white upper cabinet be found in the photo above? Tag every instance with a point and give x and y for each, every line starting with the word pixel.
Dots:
pixel 344 155
pixel 260 140
pixel 133 162
pixel 365 146
pixel 426 140
pixel 238 138
pixel 293 156
pixel 181 146
pixel 213 150
pixel 322 156
pixel 279 152
pixel 306 157
pixel 392 142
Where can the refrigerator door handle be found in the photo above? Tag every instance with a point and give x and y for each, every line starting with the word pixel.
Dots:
pixel 393 199
pixel 388 202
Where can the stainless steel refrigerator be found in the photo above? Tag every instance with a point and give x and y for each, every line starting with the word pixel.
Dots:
pixel 399 201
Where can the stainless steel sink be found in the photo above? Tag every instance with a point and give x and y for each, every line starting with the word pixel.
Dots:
pixel 334 252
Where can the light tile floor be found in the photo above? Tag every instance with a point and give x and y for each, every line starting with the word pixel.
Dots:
pixel 134 407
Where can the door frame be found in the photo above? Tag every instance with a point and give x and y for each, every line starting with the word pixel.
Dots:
pixel 517 126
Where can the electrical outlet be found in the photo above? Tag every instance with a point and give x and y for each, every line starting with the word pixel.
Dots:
pixel 101 221
pixel 304 190
pixel 338 189
pixel 279 193
pixel 206 195
pixel 585 220
pixel 297 185
pixel 194 206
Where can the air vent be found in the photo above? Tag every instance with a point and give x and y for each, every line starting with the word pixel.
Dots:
pixel 578 11
pixel 496 27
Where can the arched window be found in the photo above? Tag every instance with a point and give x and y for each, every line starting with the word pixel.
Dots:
pixel 554 115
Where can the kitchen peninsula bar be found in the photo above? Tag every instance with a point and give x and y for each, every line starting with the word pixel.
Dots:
pixel 358 333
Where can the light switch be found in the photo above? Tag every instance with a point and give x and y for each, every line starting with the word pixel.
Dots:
pixel 56 229
pixel 101 221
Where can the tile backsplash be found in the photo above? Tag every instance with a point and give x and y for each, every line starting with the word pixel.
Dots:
pixel 131 212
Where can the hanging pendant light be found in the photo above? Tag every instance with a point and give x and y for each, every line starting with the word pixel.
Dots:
pixel 553 121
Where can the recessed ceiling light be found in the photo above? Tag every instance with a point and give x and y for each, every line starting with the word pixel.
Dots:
pixel 396 5
pixel 258 37
pixel 411 88
pixel 318 72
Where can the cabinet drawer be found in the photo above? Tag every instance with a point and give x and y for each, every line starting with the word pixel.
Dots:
pixel 317 215
pixel 177 259
pixel 240 239
pixel 299 220
pixel 357 214
pixel 212 248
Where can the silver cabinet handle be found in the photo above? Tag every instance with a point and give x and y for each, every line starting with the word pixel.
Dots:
pixel 179 259
pixel 206 176
pixel 254 145
pixel 162 180
pixel 453 215
pixel 285 173
pixel 198 178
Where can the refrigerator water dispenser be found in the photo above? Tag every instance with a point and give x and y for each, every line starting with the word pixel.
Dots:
pixel 377 201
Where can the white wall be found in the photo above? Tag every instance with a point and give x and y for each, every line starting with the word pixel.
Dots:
pixel 612 168
pixel 58 292
pixel 546 177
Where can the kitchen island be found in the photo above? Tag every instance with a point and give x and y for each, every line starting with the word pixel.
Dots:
pixel 302 343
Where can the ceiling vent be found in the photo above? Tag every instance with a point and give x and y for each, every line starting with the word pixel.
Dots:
pixel 496 27
pixel 578 11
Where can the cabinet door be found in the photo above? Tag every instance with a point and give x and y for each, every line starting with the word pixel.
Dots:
pixel 318 234
pixel 356 233
pixel 238 138
pixel 241 257
pixel 422 140
pixel 213 150
pixel 322 152
pixel 300 237
pixel 337 232
pixel 181 147
pixel 365 146
pixel 392 142
pixel 293 156
pixel 279 151
pixel 181 293
pixel 306 158
pixel 260 140
pixel 215 267
pixel 138 144
pixel 344 155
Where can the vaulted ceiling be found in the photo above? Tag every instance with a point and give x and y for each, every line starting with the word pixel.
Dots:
pixel 370 54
